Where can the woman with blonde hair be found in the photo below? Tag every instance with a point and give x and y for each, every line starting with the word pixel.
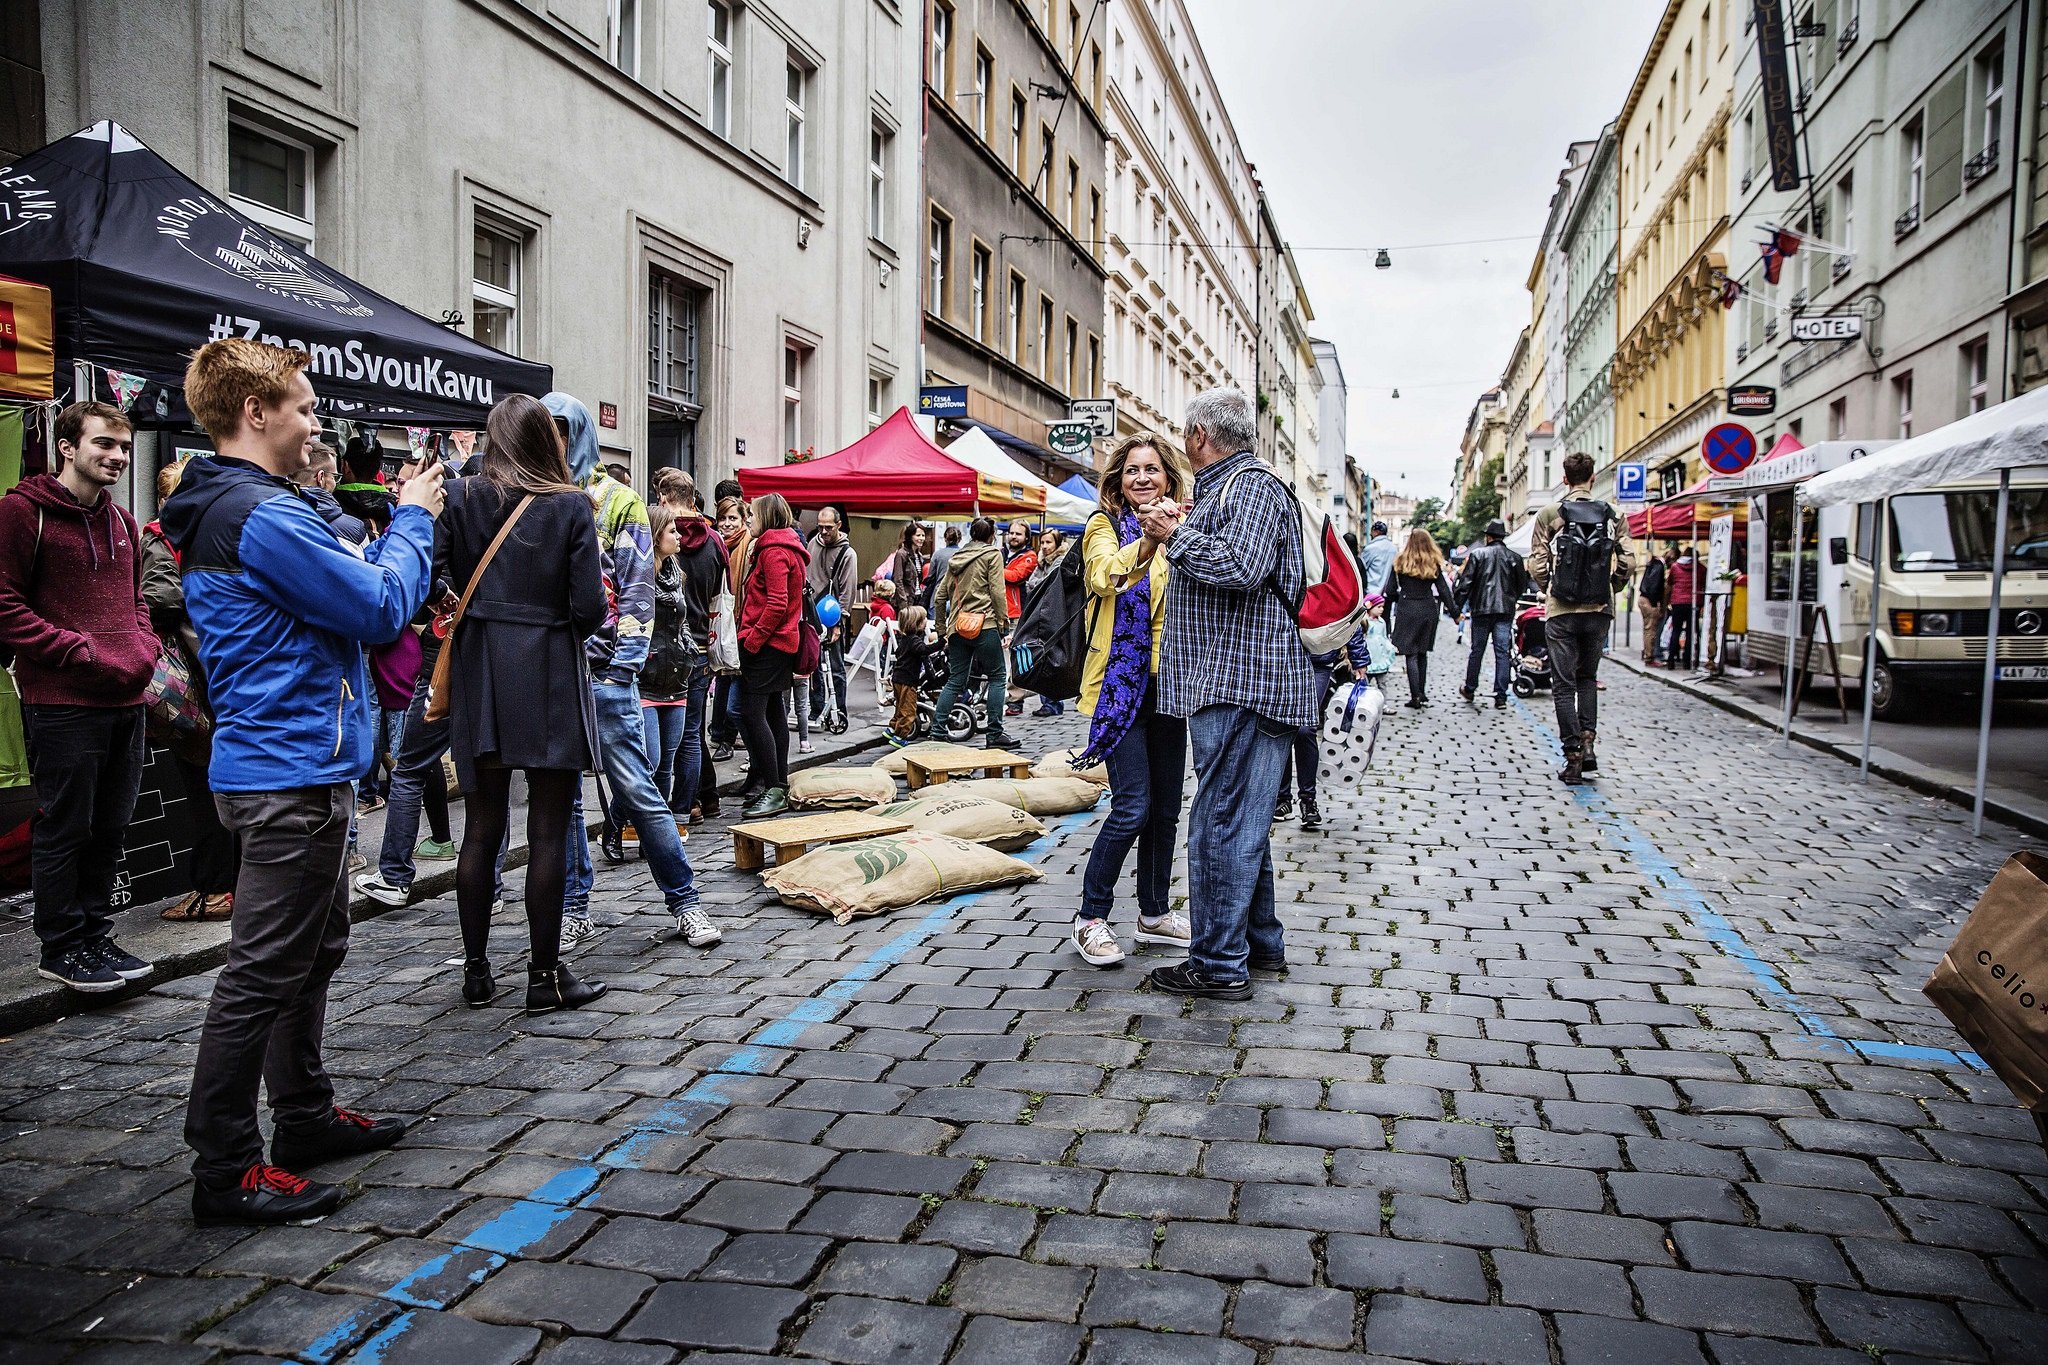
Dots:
pixel 1145 751
pixel 1416 586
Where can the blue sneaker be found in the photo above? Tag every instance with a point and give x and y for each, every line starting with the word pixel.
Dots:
pixel 895 740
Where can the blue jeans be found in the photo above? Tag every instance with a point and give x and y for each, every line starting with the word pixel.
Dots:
pixel 983 652
pixel 1146 772
pixel 622 742
pixel 1499 630
pixel 424 743
pixel 725 709
pixel 1239 756
pixel 388 738
pixel 674 731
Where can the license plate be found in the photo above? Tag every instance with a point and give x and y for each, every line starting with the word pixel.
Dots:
pixel 2023 673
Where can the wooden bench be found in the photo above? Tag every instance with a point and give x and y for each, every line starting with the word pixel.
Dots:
pixel 792 837
pixel 928 772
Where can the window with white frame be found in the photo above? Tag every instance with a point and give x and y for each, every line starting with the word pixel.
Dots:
pixel 1838 419
pixel 1976 375
pixel 977 293
pixel 1013 324
pixel 1018 116
pixel 938 255
pixel 878 398
pixel 624 19
pixel 879 147
pixel 1073 196
pixel 718 40
pixel 1991 85
pixel 942 49
pixel 1071 357
pixel 1092 385
pixel 1045 351
pixel 1915 161
pixel 984 87
pixel 795 362
pixel 796 87
pixel 1902 402
pixel 494 287
pixel 270 181
pixel 1845 212
pixel 674 308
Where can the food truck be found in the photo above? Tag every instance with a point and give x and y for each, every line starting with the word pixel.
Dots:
pixel 1934 578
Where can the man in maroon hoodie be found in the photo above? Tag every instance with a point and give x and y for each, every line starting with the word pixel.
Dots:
pixel 72 615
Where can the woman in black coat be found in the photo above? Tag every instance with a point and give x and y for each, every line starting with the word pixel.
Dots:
pixel 1417 587
pixel 519 691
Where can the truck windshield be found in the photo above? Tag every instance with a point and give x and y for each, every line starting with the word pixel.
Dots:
pixel 1952 532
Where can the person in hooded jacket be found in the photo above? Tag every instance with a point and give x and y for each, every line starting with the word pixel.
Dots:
pixel 616 653
pixel 72 616
pixel 283 609
pixel 362 494
pixel 771 632
pixel 689 572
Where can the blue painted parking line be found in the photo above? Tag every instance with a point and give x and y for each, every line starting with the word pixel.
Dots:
pixel 1679 891
pixel 554 1201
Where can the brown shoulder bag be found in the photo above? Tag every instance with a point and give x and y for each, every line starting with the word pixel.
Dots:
pixel 437 689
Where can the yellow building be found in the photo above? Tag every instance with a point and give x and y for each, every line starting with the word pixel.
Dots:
pixel 1670 365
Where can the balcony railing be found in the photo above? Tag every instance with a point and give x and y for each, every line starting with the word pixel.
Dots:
pixel 1982 164
pixel 1799 300
pixel 1747 178
pixel 1770 328
pixel 1850 32
pixel 1742 350
pixel 1842 266
pixel 1905 222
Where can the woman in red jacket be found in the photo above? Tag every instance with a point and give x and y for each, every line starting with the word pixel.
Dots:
pixel 771 618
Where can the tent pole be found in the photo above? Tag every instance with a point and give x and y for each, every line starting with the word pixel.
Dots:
pixel 1792 616
pixel 1991 648
pixel 1877 551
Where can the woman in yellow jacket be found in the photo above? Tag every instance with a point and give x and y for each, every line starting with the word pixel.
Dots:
pixel 1146 752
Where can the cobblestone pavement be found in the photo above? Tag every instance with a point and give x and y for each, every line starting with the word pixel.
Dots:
pixel 1642 1075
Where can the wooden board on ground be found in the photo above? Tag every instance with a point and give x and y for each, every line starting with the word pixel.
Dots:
pixel 927 771
pixel 792 837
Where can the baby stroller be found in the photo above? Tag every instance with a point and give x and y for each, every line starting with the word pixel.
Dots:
pixel 1532 649
pixel 970 712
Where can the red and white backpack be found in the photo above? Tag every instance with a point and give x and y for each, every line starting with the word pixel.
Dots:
pixel 1332 606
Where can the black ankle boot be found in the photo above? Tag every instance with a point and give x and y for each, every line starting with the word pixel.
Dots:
pixel 553 988
pixel 479 987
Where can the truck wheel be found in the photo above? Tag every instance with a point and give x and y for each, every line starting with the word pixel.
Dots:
pixel 1890 699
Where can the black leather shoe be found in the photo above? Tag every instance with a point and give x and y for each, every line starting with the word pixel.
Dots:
pixel 553 988
pixel 346 1133
pixel 479 986
pixel 266 1195
pixel 1182 979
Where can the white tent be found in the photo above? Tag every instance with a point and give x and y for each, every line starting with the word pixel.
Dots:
pixel 1998 440
pixel 1523 538
pixel 978 450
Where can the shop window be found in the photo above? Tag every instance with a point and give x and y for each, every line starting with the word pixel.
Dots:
pixel 718 43
pixel 494 287
pixel 1778 508
pixel 271 182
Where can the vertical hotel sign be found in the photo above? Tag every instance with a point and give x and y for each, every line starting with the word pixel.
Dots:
pixel 1779 132
pixel 27 356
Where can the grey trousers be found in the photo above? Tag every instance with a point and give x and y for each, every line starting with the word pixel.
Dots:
pixel 269 1008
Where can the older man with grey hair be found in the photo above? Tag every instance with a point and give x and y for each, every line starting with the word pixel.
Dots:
pixel 1232 663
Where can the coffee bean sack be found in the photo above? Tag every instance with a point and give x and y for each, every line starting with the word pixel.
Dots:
pixel 1039 795
pixel 843 788
pixel 973 818
pixel 928 750
pixel 873 875
pixel 1060 763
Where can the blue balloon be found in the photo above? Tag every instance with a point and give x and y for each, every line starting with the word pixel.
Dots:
pixel 829 611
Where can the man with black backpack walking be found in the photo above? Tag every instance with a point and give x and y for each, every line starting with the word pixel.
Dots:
pixel 1580 557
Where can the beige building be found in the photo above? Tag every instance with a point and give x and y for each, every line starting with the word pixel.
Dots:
pixel 1519 384
pixel 1486 437
pixel 1672 158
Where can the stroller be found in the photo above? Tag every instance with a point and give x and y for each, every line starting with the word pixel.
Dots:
pixel 1532 649
pixel 970 712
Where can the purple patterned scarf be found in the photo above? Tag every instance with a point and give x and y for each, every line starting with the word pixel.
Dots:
pixel 1130 662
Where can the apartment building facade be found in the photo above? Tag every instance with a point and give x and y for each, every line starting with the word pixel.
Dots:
pixel 1587 240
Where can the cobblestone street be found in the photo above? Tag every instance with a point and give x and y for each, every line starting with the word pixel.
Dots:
pixel 1638 1075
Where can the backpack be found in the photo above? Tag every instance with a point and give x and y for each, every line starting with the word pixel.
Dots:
pixel 1653 582
pixel 1332 604
pixel 1049 646
pixel 1582 553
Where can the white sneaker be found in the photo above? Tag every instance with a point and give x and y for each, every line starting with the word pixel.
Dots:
pixel 803 746
pixel 373 885
pixel 577 929
pixel 1172 931
pixel 698 930
pixel 1096 943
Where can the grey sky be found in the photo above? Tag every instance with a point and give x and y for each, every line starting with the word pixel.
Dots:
pixel 1403 122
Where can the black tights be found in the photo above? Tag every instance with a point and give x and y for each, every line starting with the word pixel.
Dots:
pixel 764 717
pixel 550 792
pixel 434 801
pixel 1418 674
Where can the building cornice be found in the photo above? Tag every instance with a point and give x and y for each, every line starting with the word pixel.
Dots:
pixel 1656 50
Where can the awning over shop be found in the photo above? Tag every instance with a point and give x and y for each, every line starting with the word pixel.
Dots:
pixel 975 447
pixel 894 469
pixel 1685 517
pixel 145 266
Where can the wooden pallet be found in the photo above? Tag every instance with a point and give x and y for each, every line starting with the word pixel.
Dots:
pixel 792 837
pixel 922 772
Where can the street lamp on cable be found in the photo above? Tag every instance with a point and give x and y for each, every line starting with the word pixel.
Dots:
pixel 1383 261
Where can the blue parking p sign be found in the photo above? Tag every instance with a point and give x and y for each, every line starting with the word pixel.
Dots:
pixel 1631 482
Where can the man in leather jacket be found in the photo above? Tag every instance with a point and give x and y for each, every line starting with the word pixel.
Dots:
pixel 1492 581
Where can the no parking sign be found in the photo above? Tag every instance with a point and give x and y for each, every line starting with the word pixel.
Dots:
pixel 1729 448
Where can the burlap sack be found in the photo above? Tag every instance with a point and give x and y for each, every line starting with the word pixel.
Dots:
pixel 844 788
pixel 1060 763
pixel 1039 795
pixel 973 818
pixel 873 875
pixel 1992 983
pixel 926 749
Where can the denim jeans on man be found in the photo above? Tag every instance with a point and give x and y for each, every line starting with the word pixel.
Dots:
pixel 622 738
pixel 1497 629
pixel 675 739
pixel 1575 643
pixel 1146 772
pixel 1239 755
pixel 983 655
pixel 86 762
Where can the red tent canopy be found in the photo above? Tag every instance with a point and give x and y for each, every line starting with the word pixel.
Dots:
pixel 892 469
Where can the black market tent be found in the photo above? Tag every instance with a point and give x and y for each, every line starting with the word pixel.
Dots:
pixel 144 266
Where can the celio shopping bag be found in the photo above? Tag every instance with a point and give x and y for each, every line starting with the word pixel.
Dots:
pixel 1992 983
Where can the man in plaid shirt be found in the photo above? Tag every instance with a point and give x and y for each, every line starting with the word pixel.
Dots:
pixel 1232 663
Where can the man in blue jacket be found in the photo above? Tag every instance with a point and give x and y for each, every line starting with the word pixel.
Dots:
pixel 283 608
